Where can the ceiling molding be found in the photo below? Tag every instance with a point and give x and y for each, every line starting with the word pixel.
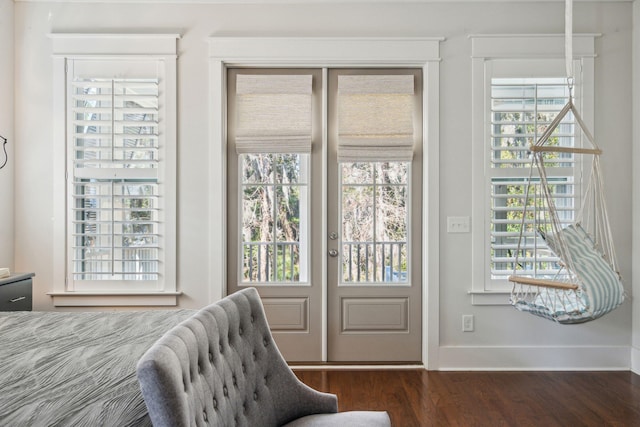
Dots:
pixel 303 2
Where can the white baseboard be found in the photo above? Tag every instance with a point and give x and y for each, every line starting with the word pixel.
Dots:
pixel 635 360
pixel 519 358
pixel 553 358
pixel 363 367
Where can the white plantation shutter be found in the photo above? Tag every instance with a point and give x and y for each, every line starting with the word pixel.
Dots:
pixel 116 125
pixel 375 117
pixel 273 113
pixel 521 109
pixel 116 176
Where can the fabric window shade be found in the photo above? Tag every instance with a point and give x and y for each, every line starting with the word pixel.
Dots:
pixel 375 118
pixel 273 113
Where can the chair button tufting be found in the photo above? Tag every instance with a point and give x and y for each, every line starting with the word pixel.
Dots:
pixel 255 396
pixel 215 403
pixel 240 332
pixel 220 347
pixel 204 416
pixel 210 357
pixel 265 342
pixel 254 356
pixel 225 391
pixel 244 369
pixel 235 380
pixel 253 319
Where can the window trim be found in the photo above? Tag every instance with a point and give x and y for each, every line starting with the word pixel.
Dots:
pixel 158 47
pixel 485 49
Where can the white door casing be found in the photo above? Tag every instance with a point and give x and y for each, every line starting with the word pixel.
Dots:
pixel 331 52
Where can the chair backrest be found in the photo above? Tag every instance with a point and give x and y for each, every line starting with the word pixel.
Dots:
pixel 222 367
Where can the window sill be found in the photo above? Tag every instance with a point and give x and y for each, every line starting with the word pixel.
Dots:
pixel 490 297
pixel 102 299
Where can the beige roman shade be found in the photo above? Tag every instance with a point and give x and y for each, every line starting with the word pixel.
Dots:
pixel 273 113
pixel 375 117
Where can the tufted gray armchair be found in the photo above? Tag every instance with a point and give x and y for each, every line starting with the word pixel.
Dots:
pixel 221 367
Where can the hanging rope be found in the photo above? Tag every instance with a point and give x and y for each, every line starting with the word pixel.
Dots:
pixel 568 40
pixel 587 284
pixel 4 147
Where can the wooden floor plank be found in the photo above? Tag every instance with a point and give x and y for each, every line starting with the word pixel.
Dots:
pixel 419 398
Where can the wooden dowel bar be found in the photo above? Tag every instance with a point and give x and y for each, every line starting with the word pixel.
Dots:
pixel 542 282
pixel 551 149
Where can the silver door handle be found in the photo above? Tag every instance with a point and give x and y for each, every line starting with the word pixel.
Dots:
pixel 333 253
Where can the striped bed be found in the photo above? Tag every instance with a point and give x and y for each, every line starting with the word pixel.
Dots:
pixel 76 369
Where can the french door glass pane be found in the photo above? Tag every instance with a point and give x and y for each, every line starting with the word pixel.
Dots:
pixel 374 217
pixel 274 218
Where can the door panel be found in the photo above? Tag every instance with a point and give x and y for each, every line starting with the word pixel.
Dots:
pixel 374 267
pixel 374 314
pixel 274 203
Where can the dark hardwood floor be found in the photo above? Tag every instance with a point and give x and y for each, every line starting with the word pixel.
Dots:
pixel 433 398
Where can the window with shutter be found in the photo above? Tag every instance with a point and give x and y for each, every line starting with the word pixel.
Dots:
pixel 115 221
pixel 521 109
pixel 519 86
pixel 116 211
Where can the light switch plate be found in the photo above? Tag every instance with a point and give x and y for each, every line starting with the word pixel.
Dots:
pixel 458 224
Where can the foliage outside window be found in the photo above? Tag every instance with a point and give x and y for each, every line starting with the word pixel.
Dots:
pixel 374 217
pixel 274 211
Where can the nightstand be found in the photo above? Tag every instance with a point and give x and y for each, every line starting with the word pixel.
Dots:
pixel 15 292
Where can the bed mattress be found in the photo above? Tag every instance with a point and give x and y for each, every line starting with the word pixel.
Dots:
pixel 76 369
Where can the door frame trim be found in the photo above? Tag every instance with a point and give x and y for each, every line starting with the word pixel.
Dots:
pixel 325 53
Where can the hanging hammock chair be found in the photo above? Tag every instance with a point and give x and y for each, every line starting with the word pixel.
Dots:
pixel 574 277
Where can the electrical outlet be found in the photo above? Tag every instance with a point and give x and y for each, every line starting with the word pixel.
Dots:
pixel 467 323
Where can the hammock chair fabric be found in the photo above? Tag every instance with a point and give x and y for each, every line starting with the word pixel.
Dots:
pixel 599 290
pixel 587 284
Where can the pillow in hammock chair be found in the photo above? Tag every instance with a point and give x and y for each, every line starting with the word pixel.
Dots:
pixel 597 277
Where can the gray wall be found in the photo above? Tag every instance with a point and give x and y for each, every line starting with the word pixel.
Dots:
pixel 503 337
pixel 6 130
